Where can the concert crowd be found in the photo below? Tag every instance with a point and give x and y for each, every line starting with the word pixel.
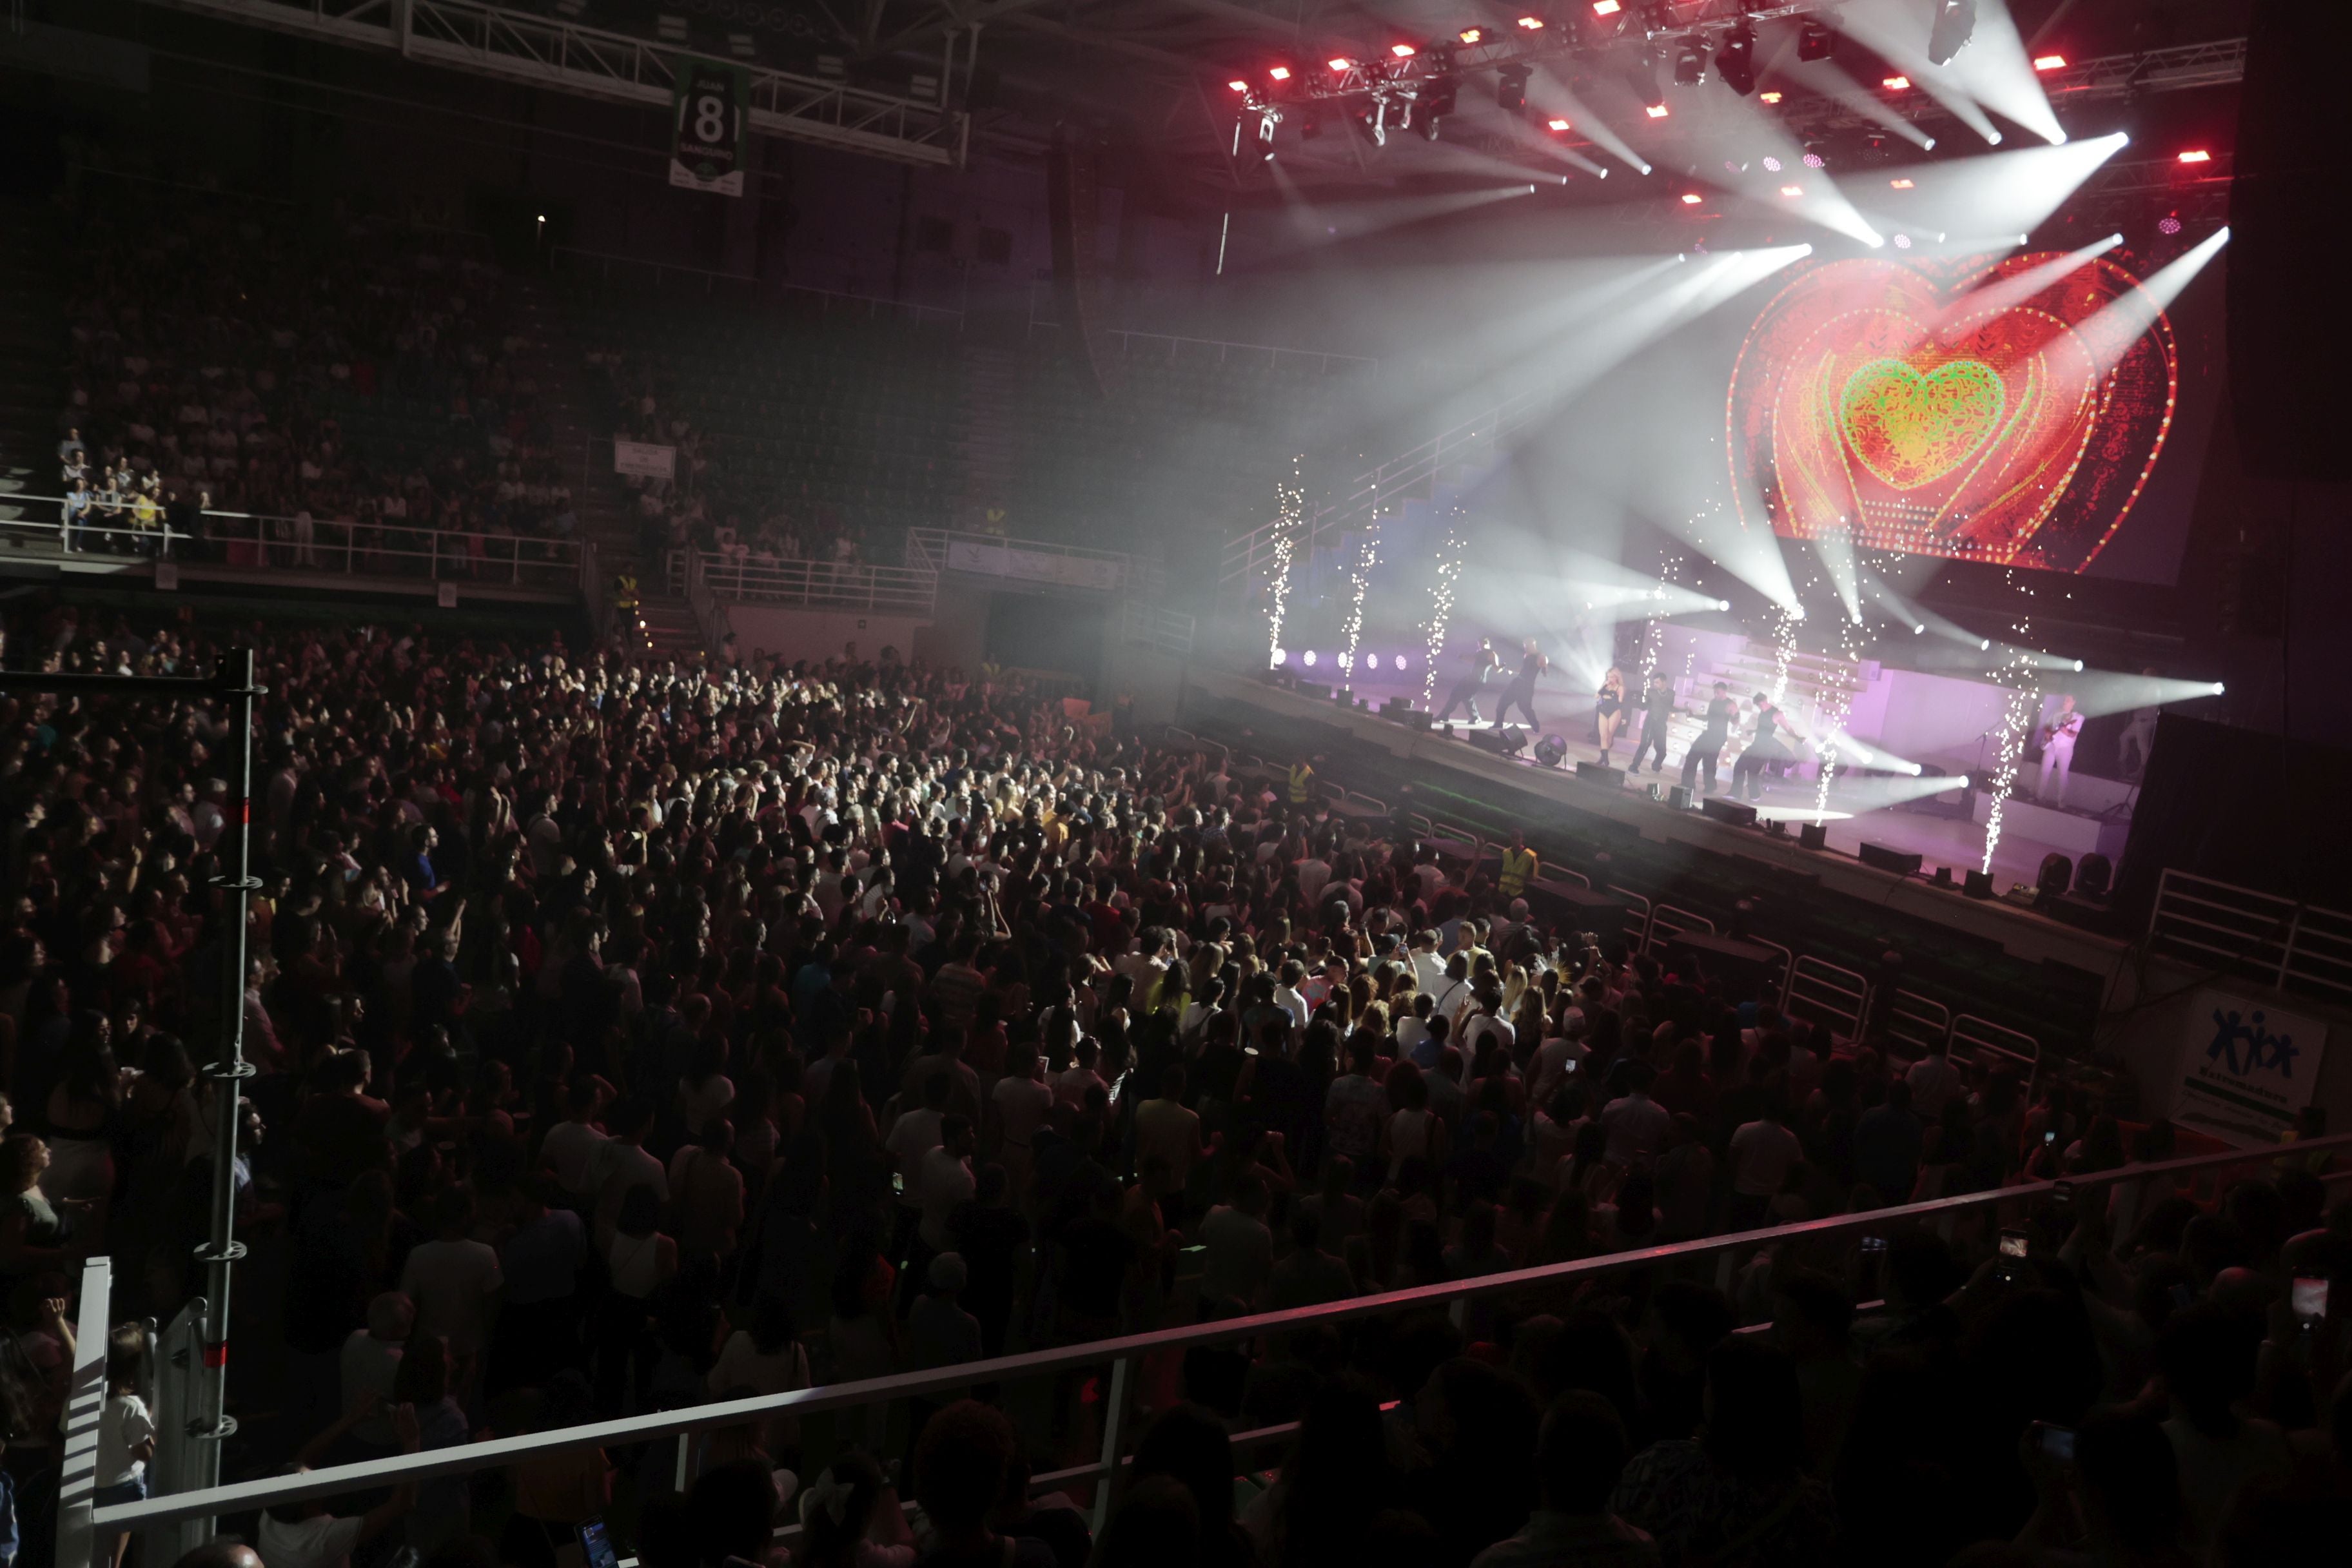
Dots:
pixel 630 1038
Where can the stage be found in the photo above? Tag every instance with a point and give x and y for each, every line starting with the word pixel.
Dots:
pixel 2029 833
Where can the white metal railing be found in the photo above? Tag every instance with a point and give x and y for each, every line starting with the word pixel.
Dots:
pixel 260 542
pixel 1667 922
pixel 1044 562
pixel 1918 1021
pixel 1637 932
pixel 1827 993
pixel 816 585
pixel 1982 1037
pixel 604 263
pixel 82 1526
pixel 2254 935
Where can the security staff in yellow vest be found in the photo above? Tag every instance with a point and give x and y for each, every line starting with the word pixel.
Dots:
pixel 1518 867
pixel 1302 783
pixel 624 591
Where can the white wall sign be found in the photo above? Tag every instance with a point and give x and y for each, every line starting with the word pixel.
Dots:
pixel 644 460
pixel 2246 1067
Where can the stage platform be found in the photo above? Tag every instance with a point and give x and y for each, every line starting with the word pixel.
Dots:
pixel 2030 832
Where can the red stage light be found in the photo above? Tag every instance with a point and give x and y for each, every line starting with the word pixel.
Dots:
pixel 1559 124
pixel 1604 7
pixel 1896 84
pixel 2050 62
pixel 1238 86
pixel 1280 73
pixel 1401 51
pixel 1341 65
pixel 2197 155
pixel 1690 198
pixel 1655 112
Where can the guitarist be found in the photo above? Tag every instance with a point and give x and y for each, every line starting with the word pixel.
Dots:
pixel 2058 750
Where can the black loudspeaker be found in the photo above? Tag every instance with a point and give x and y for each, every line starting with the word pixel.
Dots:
pixel 1978 884
pixel 1074 207
pixel 1502 742
pixel 1679 796
pixel 2289 230
pixel 1738 812
pixel 1814 836
pixel 1551 751
pixel 1602 773
pixel 1901 862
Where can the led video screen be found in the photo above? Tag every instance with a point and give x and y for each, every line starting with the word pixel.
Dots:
pixel 2024 411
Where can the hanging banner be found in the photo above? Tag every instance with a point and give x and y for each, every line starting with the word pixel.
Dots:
pixel 707 126
pixel 2246 1069
pixel 644 460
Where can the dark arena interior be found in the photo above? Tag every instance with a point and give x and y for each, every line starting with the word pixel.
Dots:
pixel 1175 784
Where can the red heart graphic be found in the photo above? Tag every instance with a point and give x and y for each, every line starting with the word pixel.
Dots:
pixel 2087 373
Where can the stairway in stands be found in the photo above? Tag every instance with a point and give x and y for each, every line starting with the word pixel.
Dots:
pixel 574 397
pixel 32 355
pixel 990 386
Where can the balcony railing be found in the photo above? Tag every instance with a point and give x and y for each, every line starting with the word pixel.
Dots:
pixel 811 584
pixel 2127 1190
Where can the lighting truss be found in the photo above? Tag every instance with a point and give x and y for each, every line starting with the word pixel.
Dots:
pixel 564 57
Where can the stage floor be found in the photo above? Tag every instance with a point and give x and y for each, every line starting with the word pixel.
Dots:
pixel 1937 840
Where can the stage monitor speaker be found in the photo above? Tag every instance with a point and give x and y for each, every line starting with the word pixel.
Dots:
pixel 2288 243
pixel 1738 812
pixel 1978 884
pixel 1814 836
pixel 1902 863
pixel 1602 773
pixel 1502 742
pixel 1679 797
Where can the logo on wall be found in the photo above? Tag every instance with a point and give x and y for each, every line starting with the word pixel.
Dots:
pixel 2002 412
pixel 2246 1067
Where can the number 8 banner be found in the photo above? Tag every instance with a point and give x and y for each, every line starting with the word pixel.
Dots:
pixel 707 127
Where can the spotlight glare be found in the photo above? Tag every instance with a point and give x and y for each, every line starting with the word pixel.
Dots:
pixel 2050 62
pixel 2218 688
pixel 1340 64
pixel 2078 667
pixel 1902 185
pixel 1400 661
pixel 1471 34
pixel 1919 631
pixel 1690 198
pixel 1280 73
pixel 1557 124
pixel 1532 24
pixel 1310 659
pixel 1401 51
pixel 1371 661
pixel 1983 647
pixel 1605 7
pixel 1896 84
pixel 1723 604
pixel 1792 190
pixel 1655 111
pixel 1280 654
pixel 1768 98
pixel 1238 86
pixel 2197 155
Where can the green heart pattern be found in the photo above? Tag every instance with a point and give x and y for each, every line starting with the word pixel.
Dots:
pixel 1911 428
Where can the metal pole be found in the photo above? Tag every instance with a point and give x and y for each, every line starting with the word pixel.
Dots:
pixel 227 1073
pixel 77 1542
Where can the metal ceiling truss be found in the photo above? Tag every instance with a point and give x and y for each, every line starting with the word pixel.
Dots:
pixel 564 57
pixel 1387 92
